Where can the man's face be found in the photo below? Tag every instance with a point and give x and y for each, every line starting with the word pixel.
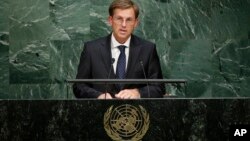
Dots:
pixel 123 23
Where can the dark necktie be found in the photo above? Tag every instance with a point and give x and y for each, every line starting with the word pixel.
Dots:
pixel 121 64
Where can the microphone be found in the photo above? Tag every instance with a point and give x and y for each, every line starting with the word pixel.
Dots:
pixel 111 67
pixel 141 62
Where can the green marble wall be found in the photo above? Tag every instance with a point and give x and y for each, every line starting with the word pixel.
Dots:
pixel 206 42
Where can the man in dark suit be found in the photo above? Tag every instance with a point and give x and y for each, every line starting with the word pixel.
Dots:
pixel 120 55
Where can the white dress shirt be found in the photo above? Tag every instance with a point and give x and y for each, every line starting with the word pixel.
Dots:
pixel 115 52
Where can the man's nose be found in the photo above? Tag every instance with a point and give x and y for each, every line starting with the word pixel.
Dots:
pixel 124 22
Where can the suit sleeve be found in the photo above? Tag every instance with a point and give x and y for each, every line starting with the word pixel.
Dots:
pixel 84 90
pixel 153 71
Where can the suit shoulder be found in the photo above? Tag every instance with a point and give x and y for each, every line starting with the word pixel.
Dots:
pixel 143 41
pixel 93 45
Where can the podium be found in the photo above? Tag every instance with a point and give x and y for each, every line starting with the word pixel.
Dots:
pixel 170 119
pixel 86 119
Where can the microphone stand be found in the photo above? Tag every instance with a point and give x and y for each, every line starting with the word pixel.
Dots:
pixel 106 85
pixel 145 78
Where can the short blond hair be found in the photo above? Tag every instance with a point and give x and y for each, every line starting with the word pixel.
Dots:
pixel 123 4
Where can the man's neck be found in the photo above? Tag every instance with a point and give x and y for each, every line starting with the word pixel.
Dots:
pixel 115 42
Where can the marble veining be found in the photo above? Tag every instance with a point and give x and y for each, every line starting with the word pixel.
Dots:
pixel 203 41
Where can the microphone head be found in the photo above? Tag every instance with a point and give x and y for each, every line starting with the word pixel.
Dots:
pixel 141 62
pixel 112 61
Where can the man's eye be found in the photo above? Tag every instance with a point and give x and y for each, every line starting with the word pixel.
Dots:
pixel 119 19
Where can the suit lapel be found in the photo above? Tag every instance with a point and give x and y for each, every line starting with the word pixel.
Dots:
pixel 105 50
pixel 134 52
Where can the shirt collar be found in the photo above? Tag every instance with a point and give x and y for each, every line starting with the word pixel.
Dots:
pixel 115 43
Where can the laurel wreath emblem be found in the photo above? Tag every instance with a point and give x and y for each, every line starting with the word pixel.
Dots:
pixel 116 136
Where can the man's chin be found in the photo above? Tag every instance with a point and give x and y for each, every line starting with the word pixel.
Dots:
pixel 123 36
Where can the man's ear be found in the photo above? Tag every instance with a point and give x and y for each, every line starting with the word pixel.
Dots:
pixel 136 23
pixel 110 19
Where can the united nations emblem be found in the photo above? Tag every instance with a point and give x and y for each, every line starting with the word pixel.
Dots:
pixel 126 122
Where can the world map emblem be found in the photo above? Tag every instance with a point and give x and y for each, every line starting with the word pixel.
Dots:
pixel 126 122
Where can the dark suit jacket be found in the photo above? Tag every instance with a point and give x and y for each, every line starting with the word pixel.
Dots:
pixel 96 63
